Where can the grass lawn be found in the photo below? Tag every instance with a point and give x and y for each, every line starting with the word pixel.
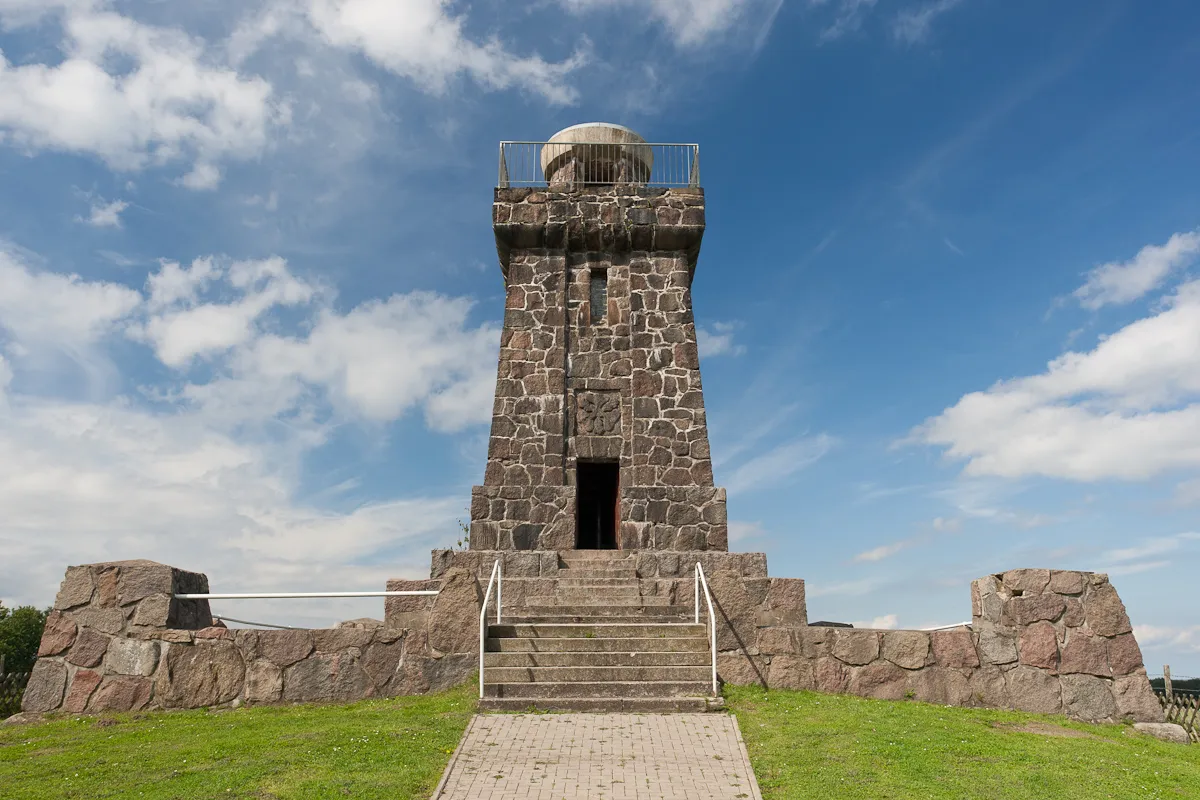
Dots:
pixel 378 749
pixel 807 745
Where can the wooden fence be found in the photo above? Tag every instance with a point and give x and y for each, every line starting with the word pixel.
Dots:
pixel 1182 709
pixel 12 686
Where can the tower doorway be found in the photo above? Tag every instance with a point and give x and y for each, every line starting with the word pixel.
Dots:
pixel 597 501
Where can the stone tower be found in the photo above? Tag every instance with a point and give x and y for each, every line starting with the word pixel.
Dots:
pixel 599 438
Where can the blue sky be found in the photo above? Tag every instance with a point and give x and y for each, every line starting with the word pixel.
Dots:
pixel 949 297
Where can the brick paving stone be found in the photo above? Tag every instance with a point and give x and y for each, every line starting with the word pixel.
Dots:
pixel 600 756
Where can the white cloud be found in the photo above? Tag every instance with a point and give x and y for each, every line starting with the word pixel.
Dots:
pixel 881 552
pixel 203 177
pixel 1128 409
pixel 106 215
pixel 718 341
pixel 1160 637
pixel 690 22
pixel 779 463
pixel 740 532
pixel 887 622
pixel 912 25
pixel 423 41
pixel 947 524
pixel 1133 569
pixel 1123 282
pixel 848 16
pixel 47 308
pixel 133 95
pixel 1150 547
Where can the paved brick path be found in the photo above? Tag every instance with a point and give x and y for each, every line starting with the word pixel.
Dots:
pixel 610 756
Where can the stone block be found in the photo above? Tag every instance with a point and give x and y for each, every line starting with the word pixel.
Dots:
pixel 777 640
pixel 83 685
pixel 740 669
pixel 954 648
pixel 948 687
pixel 332 640
pixel 815 641
pixel 1028 609
pixel 988 688
pixel 131 657
pixel 121 693
pixel 154 611
pixel 1104 611
pixel 831 675
pixel 854 646
pixel 105 620
pixel 1027 581
pixel 207 673
pixel 57 636
pixel 89 648
pixel 788 671
pixel 1039 646
pixel 382 660
pixel 1088 698
pixel 997 647
pixel 1135 698
pixel 264 682
pixel 880 680
pixel 450 670
pixel 1085 654
pixel 1073 617
pixel 283 648
pixel 907 649
pixel 454 621
pixel 76 589
pixel 106 587
pixel 1166 731
pixel 786 597
pixel 1034 690
pixel 1066 582
pixel 44 690
pixel 1124 655
pixel 736 612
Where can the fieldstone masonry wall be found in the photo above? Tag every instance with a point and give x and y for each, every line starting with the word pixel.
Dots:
pixel 576 384
pixel 117 641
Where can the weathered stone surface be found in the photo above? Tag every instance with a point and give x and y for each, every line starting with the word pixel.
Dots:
pixel 206 673
pixel 213 632
pixel 284 648
pixel 948 687
pixel 740 669
pixel 815 641
pixel 777 640
pixel 131 657
pixel 323 677
pixel 1039 646
pixel 1085 654
pixel 1088 698
pixel 1026 610
pixel 450 670
pixel 106 587
pixel 855 646
pixel 381 660
pixel 1066 582
pixel 57 636
pixel 786 600
pixel 140 579
pixel 89 648
pixel 77 588
pixel 988 688
pixel 831 675
pixel 44 691
pixel 454 621
pixel 331 640
pixel 735 611
pixel 880 680
pixel 954 648
pixel 908 649
pixel 264 682
pixel 997 647
pixel 1027 581
pixel 1167 731
pixel 122 693
pixel 105 620
pixel 1135 699
pixel 154 611
pixel 788 671
pixel 1073 617
pixel 1104 610
pixel 1032 689
pixel 82 686
pixel 1124 655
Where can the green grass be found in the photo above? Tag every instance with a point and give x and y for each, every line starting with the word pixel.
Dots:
pixel 394 748
pixel 807 745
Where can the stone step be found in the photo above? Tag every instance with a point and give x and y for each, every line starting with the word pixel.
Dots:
pixel 612 705
pixel 595 674
pixel 573 599
pixel 667 644
pixel 621 689
pixel 594 555
pixel 623 573
pixel 601 630
pixel 598 658
pixel 594 593
pixel 607 610
pixel 570 581
pixel 579 619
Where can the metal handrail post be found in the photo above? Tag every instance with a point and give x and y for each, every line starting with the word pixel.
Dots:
pixel 696 586
pixel 712 623
pixel 483 619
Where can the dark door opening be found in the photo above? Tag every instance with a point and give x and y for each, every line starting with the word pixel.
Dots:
pixel 596 504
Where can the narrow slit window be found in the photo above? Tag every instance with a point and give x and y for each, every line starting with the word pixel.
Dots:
pixel 598 295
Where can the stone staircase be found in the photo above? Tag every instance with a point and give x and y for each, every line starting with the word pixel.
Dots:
pixel 596 644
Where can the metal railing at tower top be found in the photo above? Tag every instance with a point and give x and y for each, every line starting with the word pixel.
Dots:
pixel 598 163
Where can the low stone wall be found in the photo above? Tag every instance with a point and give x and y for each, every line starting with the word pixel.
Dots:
pixel 1040 641
pixel 117 641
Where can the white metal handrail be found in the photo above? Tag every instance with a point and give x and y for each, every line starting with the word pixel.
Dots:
pixel 496 580
pixel 664 164
pixel 712 619
pixel 291 595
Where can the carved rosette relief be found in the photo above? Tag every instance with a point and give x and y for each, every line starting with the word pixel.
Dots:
pixel 598 413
